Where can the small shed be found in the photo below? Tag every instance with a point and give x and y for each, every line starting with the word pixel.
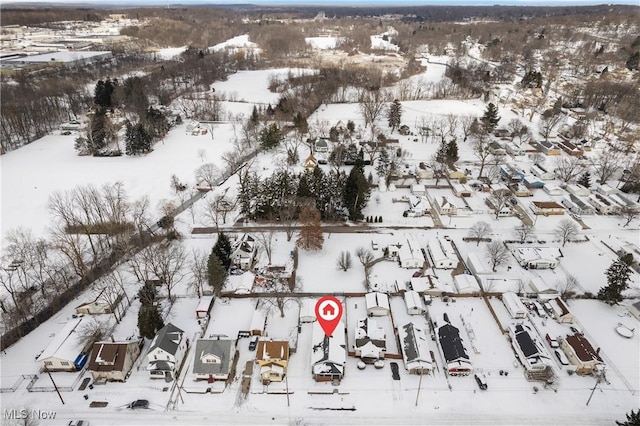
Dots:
pixel 579 190
pixel 308 310
pixel 466 284
pixel 561 312
pixel 461 190
pixel 204 306
pixel 258 322
pixel 414 303
pixel 418 189
pixel 377 304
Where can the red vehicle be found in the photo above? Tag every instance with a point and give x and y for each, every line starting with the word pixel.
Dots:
pixel 552 342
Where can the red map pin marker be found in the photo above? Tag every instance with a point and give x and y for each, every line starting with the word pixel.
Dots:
pixel 328 313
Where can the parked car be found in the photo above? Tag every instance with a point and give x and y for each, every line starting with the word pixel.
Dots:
pixel 139 403
pixel 395 371
pixel 482 383
pixel 561 357
pixel 253 343
pixel 552 342
pixel 575 330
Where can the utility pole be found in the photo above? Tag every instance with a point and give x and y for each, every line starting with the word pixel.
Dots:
pixel 56 387
pixel 594 387
pixel 419 386
pixel 286 383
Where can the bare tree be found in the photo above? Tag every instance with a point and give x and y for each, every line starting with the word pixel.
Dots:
pixel 166 263
pixel 629 213
pixel 566 231
pixel 110 290
pixel 498 254
pixel 208 174
pixel 219 207
pixel 289 215
pixel 199 272
pixel 265 238
pixel 479 231
pixel 466 124
pixel 480 145
pixel 344 260
pixel 499 200
pixel 365 256
pixel 538 158
pixel 93 331
pixel 548 121
pixel 567 168
pixel 606 164
pixel 524 232
pixel 280 295
pixel 567 287
pixel 372 104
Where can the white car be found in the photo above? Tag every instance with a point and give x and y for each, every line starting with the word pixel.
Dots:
pixel 561 357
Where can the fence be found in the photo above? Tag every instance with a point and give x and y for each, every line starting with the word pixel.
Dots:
pixel 17 384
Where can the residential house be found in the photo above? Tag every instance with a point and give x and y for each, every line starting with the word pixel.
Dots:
pixel 466 284
pixel 530 181
pixel 377 304
pixel 322 145
pixel 548 148
pixel 244 251
pixel 418 190
pixel 204 306
pixel 272 357
pixel 423 171
pixel 413 301
pixel 431 285
pixel 310 163
pixel 98 305
pixel 416 351
pixel 511 173
pixel 542 289
pixel 578 190
pixel 514 305
pixel 457 174
pixel 455 354
pixel 418 206
pixel 521 190
pixel 537 257
pixel 410 255
pixel 561 312
pixel 213 358
pixel 578 206
pixel 552 189
pixel 328 354
pixel 478 264
pixel 112 361
pixel 541 172
pixel 546 208
pixel 370 344
pixel 513 149
pixel 445 207
pixel 571 149
pixel 603 204
pixel 580 353
pixel 67 351
pixel 530 352
pixel 166 352
pixel 442 254
pixel 461 190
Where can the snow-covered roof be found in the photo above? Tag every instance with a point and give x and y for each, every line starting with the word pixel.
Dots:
pixel 328 354
pixel 466 284
pixel 530 254
pixel 414 343
pixel 377 300
pixel 62 56
pixel 451 343
pixel 168 339
pixel 413 300
pixel 441 252
pixel 204 304
pixel 213 356
pixel 241 283
pixel 67 344
pixel 478 265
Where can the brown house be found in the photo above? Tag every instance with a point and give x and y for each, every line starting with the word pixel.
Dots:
pixel 273 357
pixel 112 361
pixel 581 353
pixel 547 208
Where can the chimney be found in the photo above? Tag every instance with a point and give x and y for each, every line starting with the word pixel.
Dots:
pixel 112 339
pixel 598 351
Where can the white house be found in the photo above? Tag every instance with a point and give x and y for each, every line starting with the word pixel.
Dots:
pixel 466 284
pixel 542 173
pixel 258 322
pixel 67 350
pixel 531 353
pixel 328 354
pixel 112 361
pixel 431 285
pixel 442 255
pixel 542 288
pixel 370 344
pixel 414 303
pixel 416 353
pixel 537 257
pixel 552 189
pixel 213 358
pixel 446 207
pixel 461 190
pixel 514 305
pixel 308 310
pixel 478 265
pixel 166 352
pixel 98 305
pixel 578 190
pixel 410 255
pixel 377 304
pixel 243 252
pixel 603 204
pixel 418 189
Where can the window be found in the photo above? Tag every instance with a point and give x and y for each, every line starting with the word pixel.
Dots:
pixel 48 363
pixel 65 363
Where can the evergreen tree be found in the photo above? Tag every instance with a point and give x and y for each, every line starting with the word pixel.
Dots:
pixel 254 120
pixel 137 139
pixel 270 111
pixel 304 190
pixel 96 131
pixel 382 167
pixel 532 79
pixel 222 249
pixel 157 123
pixel 103 93
pixel 633 419
pixel 394 115
pixel 147 293
pixel 351 126
pixel 490 118
pixel 216 273
pixel 618 277
pixel 452 151
pixel 270 136
pixel 585 179
pixel 356 192
pixel 149 321
pixel 634 61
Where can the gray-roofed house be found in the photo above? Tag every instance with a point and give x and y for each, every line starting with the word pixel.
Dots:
pixel 166 352
pixel 531 353
pixel 212 359
pixel 414 343
pixel 328 354
pixel 370 343
pixel 455 354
